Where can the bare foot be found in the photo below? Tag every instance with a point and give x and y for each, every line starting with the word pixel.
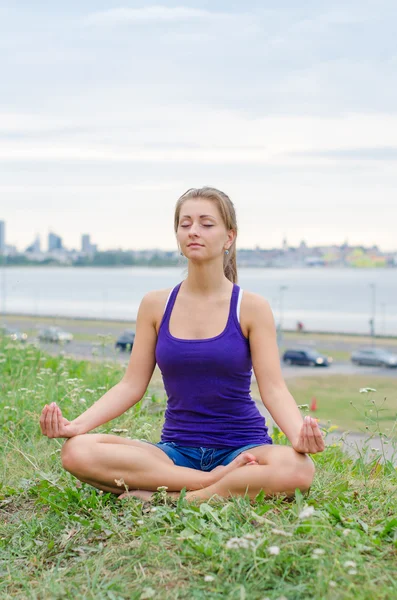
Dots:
pixel 243 459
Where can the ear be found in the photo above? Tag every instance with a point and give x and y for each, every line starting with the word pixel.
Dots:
pixel 231 236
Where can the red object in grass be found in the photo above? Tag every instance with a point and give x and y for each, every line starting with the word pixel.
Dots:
pixel 313 405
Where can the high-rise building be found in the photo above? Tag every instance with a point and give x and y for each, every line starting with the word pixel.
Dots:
pixel 2 236
pixel 86 246
pixel 54 242
pixel 85 243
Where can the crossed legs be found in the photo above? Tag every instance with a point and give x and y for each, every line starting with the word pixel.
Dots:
pixel 100 460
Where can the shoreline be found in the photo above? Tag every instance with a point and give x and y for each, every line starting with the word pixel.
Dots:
pixel 109 321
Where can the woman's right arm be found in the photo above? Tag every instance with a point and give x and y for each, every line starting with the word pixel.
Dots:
pixel 124 394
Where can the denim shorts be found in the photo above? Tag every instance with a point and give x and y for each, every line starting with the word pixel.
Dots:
pixel 203 459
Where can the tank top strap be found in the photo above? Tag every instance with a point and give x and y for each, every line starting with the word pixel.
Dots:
pixel 170 305
pixel 234 303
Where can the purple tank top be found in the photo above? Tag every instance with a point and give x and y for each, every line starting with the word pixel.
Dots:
pixel 208 382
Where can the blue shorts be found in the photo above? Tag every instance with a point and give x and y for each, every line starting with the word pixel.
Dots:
pixel 203 459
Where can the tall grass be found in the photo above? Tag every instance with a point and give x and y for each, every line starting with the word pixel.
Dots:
pixel 60 539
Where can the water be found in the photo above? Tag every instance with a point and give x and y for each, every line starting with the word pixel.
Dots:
pixel 323 299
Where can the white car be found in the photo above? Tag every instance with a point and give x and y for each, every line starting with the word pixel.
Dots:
pixel 55 334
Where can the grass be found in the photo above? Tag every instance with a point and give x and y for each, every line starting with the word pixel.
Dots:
pixel 60 539
pixel 339 400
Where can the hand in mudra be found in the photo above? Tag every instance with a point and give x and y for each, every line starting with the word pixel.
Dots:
pixel 310 439
pixel 54 425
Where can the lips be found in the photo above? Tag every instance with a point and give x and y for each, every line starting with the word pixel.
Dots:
pixel 195 245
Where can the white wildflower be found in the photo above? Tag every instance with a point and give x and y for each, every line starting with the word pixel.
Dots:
pixel 89 391
pixel 119 430
pixel 274 550
pixel 154 509
pixel 307 512
pixel 233 543
pixel 349 563
pixel 332 584
pixel 2 360
pixel 281 532
pixel 209 578
pixel 366 390
pixel 346 532
pixel 119 482
pixel 352 572
pixel 83 400
pixel 139 522
pixel 147 593
pixel 318 551
pixel 243 542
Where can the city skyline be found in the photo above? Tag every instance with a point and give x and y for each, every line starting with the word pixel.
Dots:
pixel 111 112
pixel 55 240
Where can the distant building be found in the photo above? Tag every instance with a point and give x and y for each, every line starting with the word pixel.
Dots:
pixel 86 246
pixel 2 236
pixel 54 242
pixel 85 243
pixel 35 247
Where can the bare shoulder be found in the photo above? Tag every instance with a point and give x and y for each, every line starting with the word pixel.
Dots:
pixel 153 304
pixel 255 310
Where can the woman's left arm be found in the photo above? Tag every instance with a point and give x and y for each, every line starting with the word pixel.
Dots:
pixel 304 434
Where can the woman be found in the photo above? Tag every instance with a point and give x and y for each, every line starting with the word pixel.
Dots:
pixel 205 335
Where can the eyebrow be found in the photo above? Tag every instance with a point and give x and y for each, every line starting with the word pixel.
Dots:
pixel 201 217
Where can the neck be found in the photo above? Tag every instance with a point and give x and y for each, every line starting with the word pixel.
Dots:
pixel 206 279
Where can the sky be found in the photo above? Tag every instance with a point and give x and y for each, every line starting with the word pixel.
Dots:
pixel 109 111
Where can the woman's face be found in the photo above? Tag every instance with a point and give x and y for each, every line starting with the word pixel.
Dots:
pixel 201 231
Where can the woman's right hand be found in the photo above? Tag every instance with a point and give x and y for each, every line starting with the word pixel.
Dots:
pixel 54 425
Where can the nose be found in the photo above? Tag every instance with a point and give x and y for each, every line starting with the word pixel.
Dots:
pixel 193 230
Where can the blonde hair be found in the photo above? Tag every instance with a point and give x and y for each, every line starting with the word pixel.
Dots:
pixel 228 213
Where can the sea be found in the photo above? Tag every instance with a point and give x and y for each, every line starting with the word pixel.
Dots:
pixel 323 299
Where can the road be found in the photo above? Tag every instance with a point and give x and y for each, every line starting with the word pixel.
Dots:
pixel 106 350
pixel 353 443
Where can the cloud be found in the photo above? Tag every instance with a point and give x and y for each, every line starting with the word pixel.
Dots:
pixel 149 14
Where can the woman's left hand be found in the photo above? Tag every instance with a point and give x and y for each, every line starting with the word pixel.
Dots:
pixel 310 439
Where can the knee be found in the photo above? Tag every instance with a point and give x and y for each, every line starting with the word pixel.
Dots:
pixel 304 472
pixel 74 453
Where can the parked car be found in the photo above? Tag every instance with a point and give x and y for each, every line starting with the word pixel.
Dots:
pixel 307 357
pixel 126 340
pixel 13 334
pixel 376 357
pixel 55 334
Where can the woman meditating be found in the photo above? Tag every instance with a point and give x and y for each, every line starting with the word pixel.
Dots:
pixel 206 334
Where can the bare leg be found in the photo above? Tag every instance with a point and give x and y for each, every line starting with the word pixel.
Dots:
pixel 102 460
pixel 280 470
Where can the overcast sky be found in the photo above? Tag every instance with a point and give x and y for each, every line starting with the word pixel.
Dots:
pixel 110 110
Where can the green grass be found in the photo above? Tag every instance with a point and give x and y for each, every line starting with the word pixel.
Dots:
pixel 339 400
pixel 60 539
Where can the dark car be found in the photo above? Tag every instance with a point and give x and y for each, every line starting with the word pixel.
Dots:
pixel 126 340
pixel 375 357
pixel 306 357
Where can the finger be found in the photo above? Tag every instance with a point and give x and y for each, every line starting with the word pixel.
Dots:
pixel 303 437
pixel 42 419
pixel 317 441
pixel 308 435
pixel 318 438
pixel 54 420
pixel 58 422
pixel 48 421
